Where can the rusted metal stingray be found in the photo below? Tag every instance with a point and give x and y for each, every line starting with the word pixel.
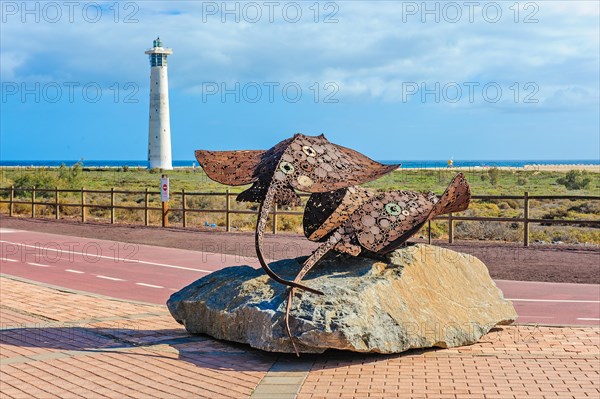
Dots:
pixel 306 163
pixel 354 220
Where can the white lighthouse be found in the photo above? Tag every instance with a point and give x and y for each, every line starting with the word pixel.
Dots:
pixel 159 126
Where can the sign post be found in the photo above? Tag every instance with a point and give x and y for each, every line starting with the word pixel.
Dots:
pixel 164 197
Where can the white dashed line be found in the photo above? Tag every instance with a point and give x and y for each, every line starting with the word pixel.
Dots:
pixel 551 300
pixel 111 278
pixel 125 260
pixel 8 260
pixel 588 319
pixel 37 264
pixel 74 271
pixel 149 285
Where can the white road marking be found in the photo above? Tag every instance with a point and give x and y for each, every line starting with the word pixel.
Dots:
pixel 551 300
pixel 149 285
pixel 37 264
pixel 113 258
pixel 110 278
pixel 74 271
pixel 4 231
pixel 588 318
pixel 8 260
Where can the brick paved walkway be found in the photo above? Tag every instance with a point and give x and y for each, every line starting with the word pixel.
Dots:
pixel 59 344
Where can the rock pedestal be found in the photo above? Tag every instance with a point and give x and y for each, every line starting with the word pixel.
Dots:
pixel 419 296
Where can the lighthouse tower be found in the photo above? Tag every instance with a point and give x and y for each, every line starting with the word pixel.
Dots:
pixel 159 127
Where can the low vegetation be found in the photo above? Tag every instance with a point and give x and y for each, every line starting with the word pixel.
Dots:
pixel 575 180
pixel 491 181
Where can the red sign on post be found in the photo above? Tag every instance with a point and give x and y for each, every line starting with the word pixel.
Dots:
pixel 164 189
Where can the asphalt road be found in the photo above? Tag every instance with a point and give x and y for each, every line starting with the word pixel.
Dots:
pixel 151 274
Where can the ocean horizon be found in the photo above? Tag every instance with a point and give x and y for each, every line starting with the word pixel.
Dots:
pixel 405 163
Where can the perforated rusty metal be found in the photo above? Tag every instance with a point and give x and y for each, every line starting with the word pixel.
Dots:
pixel 326 212
pixel 306 163
pixel 381 222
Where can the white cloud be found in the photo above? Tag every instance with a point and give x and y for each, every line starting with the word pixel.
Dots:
pixel 10 62
pixel 370 52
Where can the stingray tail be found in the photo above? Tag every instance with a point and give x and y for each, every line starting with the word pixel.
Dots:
pixel 261 225
pixel 456 198
pixel 309 263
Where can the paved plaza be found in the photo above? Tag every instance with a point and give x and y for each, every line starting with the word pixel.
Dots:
pixel 58 343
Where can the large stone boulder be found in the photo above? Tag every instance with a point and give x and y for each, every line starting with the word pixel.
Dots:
pixel 416 297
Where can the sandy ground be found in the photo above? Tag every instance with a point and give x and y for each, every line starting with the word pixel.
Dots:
pixel 507 261
pixel 527 168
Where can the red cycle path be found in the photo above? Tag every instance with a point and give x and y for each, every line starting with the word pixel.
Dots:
pixel 152 274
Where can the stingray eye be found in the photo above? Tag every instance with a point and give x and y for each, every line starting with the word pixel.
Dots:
pixel 286 167
pixel 309 151
pixel 393 208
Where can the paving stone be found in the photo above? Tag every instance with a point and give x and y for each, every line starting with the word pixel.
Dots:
pixel 160 362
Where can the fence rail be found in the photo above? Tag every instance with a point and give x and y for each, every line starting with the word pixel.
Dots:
pixel 83 204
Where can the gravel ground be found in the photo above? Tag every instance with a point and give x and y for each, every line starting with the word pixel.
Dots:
pixel 506 261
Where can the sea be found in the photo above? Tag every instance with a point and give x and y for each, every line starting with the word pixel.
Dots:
pixel 405 163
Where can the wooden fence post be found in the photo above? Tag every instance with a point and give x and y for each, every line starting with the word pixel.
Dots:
pixel 33 202
pixel 165 212
pixel 274 218
pixel 82 205
pixel 11 205
pixel 429 232
pixel 112 205
pixel 56 206
pixel 146 203
pixel 526 219
pixel 183 208
pixel 227 214
pixel 450 228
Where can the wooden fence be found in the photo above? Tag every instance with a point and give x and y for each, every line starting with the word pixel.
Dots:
pixel 185 210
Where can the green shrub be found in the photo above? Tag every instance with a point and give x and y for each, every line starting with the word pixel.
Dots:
pixel 493 173
pixel 504 203
pixel 558 213
pixel 70 176
pixel 521 181
pixel 575 180
pixel 591 207
pixel 41 179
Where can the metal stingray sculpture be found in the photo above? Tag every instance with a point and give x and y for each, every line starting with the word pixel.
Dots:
pixel 305 163
pixel 354 220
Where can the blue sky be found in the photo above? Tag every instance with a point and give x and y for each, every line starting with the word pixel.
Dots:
pixel 389 78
